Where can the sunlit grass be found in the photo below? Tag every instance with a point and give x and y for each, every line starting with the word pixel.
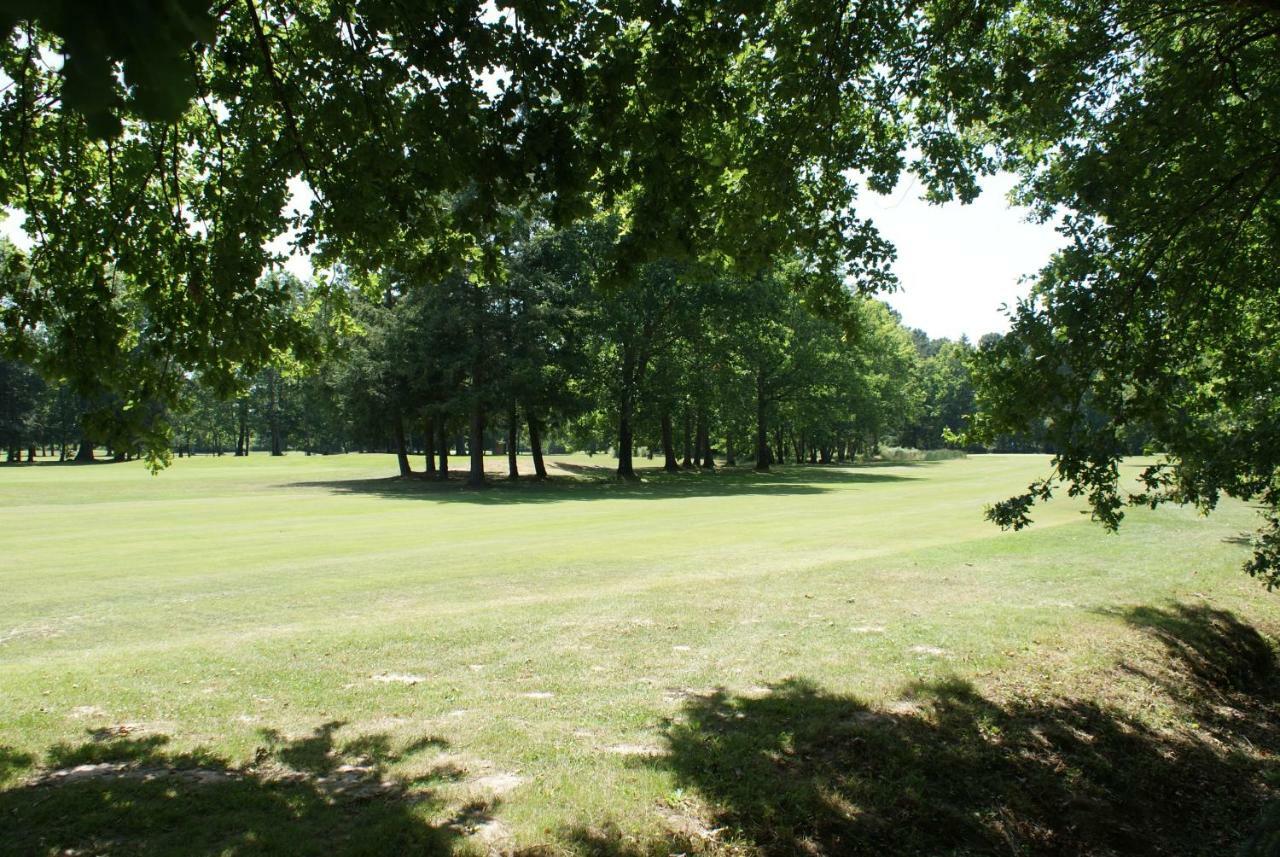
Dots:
pixel 526 649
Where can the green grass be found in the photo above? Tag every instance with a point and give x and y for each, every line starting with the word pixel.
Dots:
pixel 821 660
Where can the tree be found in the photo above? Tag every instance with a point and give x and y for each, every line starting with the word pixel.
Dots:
pixel 732 132
pixel 20 393
pixel 1149 129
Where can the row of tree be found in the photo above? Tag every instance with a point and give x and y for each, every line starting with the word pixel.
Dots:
pixel 682 362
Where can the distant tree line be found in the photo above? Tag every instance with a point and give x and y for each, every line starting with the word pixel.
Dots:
pixel 548 353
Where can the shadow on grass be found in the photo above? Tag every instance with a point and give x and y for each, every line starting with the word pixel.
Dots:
pixel 804 771
pixel 589 482
pixel 307 796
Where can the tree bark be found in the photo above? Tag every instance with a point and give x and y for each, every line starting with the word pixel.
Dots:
pixel 444 451
pixel 402 451
pixel 668 444
pixel 703 451
pixel 475 478
pixel 277 446
pixel 85 453
pixel 429 445
pixel 762 430
pixel 513 434
pixel 687 464
pixel 535 445
pixel 626 469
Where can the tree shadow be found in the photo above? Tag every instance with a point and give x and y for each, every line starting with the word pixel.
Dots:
pixel 801 770
pixel 13 762
pixel 589 482
pixel 1211 653
pixel 309 795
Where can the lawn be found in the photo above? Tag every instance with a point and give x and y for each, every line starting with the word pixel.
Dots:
pixel 305 656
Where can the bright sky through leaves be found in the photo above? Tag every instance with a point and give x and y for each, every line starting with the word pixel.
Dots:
pixel 958 263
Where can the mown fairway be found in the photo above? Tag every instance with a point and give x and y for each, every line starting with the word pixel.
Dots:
pixel 823 660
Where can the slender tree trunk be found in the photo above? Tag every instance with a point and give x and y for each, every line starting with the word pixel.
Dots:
pixel 687 464
pixel 475 479
pixel 730 460
pixel 813 452
pixel 799 445
pixel 703 451
pixel 444 451
pixel 242 436
pixel 429 441
pixel 402 451
pixel 535 445
pixel 825 455
pixel 626 469
pixel 513 435
pixel 668 444
pixel 277 447
pixel 31 454
pixel 762 430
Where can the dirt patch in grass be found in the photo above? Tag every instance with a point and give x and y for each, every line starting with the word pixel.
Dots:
pixel 398 678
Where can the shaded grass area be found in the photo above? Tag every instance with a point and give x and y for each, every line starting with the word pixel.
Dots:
pixel 118 795
pixel 577 482
pixel 802 771
pixel 794 770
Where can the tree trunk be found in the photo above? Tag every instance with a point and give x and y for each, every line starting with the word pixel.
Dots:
pixel 429 443
pixel 687 464
pixel 703 451
pixel 762 430
pixel 825 455
pixel 402 451
pixel 730 460
pixel 277 447
pixel 242 434
pixel 626 470
pixel 475 479
pixel 85 453
pixel 444 452
pixel 31 454
pixel 513 435
pixel 535 445
pixel 668 444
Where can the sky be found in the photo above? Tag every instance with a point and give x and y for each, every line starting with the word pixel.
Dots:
pixel 956 263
